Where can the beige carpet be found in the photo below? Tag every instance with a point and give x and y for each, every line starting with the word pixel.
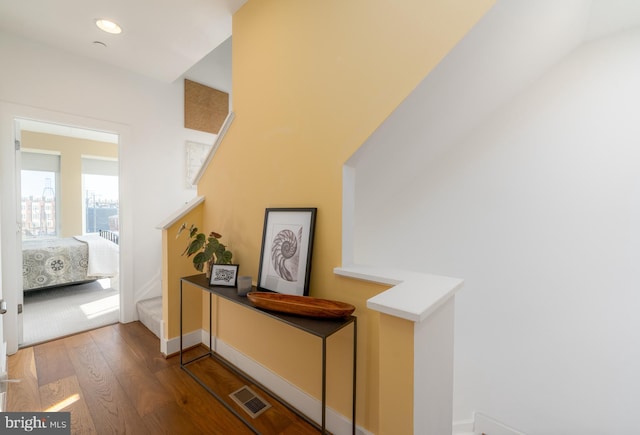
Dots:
pixel 61 311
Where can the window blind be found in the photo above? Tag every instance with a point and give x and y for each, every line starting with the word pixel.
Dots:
pixel 99 166
pixel 40 162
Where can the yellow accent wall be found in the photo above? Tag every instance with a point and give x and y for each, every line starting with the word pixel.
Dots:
pixel 311 81
pixel 71 150
pixel 396 358
pixel 174 267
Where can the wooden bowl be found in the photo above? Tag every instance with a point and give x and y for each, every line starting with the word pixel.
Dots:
pixel 300 305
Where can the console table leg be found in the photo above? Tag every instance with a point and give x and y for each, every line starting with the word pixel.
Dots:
pixel 181 361
pixel 353 391
pixel 210 324
pixel 324 385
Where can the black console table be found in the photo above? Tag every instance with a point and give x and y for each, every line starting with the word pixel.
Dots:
pixel 322 328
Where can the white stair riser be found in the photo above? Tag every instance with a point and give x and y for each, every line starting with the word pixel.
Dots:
pixel 150 314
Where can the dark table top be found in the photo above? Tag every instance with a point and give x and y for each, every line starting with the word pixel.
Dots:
pixel 323 327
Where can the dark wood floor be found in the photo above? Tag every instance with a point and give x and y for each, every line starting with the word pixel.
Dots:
pixel 115 380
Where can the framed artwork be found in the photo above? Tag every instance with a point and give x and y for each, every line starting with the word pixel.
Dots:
pixel 224 274
pixel 196 154
pixel 287 244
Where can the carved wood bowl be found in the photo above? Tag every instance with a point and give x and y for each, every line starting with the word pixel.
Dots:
pixel 300 305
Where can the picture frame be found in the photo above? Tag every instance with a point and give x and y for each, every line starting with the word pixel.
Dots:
pixel 287 245
pixel 224 275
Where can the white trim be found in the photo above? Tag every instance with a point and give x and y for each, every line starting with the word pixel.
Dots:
pixel 485 424
pixel 433 372
pixel 10 253
pixel 178 214
pixel 480 424
pixel 464 427
pixel 223 130
pixel 172 346
pixel 163 341
pixel 4 376
pixel 348 213
pixel 414 296
pixel 128 311
pixel 305 403
pixel 205 340
pixel 66 130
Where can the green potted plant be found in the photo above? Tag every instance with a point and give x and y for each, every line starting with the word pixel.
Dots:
pixel 206 250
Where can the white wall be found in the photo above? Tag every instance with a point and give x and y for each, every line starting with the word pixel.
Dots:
pixel 538 209
pixel 152 158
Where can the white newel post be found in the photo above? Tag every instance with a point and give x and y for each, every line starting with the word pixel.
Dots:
pixel 429 302
pixel 433 372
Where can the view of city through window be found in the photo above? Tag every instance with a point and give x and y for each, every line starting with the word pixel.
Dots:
pixel 100 194
pixel 40 199
pixel 38 205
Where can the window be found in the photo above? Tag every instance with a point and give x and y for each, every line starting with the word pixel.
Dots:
pixel 100 194
pixel 39 180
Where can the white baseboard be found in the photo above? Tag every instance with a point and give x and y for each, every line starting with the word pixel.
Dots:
pixel 490 426
pixel 163 341
pixel 172 346
pixel 464 427
pixel 305 403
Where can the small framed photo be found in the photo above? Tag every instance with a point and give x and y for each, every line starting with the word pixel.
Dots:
pixel 224 274
pixel 287 244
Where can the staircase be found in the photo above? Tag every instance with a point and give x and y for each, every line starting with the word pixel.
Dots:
pixel 150 314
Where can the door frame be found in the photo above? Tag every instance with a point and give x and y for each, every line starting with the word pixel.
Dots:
pixel 10 243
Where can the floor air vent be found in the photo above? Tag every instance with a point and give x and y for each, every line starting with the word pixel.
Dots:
pixel 253 404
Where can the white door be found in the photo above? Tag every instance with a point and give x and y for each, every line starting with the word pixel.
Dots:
pixel 4 376
pixel 18 211
pixel 3 353
pixel 10 216
pixel 10 250
pixel 3 345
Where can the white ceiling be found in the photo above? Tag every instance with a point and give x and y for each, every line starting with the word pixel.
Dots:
pixel 161 38
pixel 164 38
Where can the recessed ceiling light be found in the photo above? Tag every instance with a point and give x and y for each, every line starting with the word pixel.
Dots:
pixel 108 26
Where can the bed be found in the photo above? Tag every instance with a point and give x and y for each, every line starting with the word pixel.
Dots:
pixel 64 261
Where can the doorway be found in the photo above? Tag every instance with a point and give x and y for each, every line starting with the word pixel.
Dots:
pixel 68 192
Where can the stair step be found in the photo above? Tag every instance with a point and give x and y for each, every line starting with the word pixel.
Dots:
pixel 150 314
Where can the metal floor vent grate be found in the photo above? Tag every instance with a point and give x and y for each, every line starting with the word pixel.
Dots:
pixel 248 400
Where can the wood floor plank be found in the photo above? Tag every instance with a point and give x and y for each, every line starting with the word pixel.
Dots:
pixel 145 344
pixel 125 385
pixel 78 340
pixel 223 381
pixel 23 395
pixel 141 386
pixel 52 362
pixel 108 403
pixel 65 395
pixel 171 419
pixel 204 410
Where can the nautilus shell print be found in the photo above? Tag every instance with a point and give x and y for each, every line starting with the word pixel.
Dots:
pixel 285 254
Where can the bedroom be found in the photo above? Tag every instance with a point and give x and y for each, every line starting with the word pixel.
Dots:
pixel 69 197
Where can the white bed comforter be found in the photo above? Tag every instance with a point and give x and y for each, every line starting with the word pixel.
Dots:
pixel 103 256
